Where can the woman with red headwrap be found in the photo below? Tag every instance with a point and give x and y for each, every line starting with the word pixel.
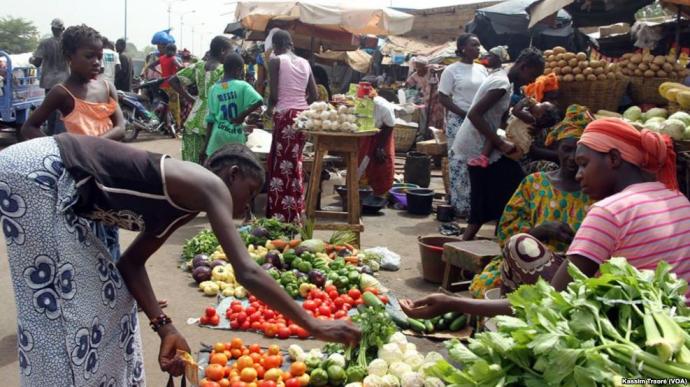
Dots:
pixel 640 214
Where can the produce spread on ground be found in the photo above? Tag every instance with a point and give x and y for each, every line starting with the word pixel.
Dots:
pixel 624 323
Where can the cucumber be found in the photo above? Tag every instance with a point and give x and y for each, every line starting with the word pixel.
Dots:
pixel 442 324
pixel 371 300
pixel 450 316
pixel 429 326
pixel 434 320
pixel 416 325
pixel 458 323
pixel 399 319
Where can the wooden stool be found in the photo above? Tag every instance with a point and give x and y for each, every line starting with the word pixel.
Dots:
pixel 348 145
pixel 466 257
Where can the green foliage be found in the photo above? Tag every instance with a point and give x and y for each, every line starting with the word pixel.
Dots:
pixel 18 35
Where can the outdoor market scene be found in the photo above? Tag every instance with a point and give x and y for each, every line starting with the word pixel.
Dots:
pixel 358 194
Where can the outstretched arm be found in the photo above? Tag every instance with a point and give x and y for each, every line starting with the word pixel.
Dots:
pixel 55 100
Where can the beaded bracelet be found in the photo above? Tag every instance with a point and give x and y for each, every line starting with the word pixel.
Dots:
pixel 159 322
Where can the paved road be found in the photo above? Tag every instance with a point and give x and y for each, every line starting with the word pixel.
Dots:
pixel 396 230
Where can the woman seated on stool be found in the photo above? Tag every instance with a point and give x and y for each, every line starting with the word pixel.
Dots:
pixel 640 215
pixel 549 206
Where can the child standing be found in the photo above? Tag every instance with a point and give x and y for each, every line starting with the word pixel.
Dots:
pixel 526 115
pixel 230 101
pixel 170 64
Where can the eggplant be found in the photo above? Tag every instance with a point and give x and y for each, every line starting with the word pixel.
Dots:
pixel 299 274
pixel 301 250
pixel 267 266
pixel 317 278
pixel 200 260
pixel 201 274
pixel 260 232
pixel 217 262
pixel 344 253
pixel 366 270
pixel 273 257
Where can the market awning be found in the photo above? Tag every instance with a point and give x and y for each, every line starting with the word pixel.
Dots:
pixel 590 13
pixel 359 60
pixel 256 15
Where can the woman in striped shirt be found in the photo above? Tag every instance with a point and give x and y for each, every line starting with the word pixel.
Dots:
pixel 640 214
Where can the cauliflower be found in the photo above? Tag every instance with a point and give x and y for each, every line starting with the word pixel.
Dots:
pixel 409 347
pixel 373 381
pixel 315 354
pixel 433 357
pixel 398 369
pixel 357 384
pixel 378 367
pixel 390 381
pixel 337 359
pixel 414 359
pixel 412 379
pixel 295 351
pixel 399 339
pixel 391 353
pixel 433 382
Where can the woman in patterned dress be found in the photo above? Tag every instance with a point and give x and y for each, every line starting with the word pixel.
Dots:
pixel 76 310
pixel 292 89
pixel 547 205
pixel 456 90
pixel 203 75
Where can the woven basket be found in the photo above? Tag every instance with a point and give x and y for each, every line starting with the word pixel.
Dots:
pixel 404 137
pixel 646 90
pixel 445 168
pixel 595 95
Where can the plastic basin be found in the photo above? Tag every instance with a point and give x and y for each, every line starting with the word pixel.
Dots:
pixel 399 192
pixel 431 252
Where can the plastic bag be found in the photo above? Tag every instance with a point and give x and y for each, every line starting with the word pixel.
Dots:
pixel 162 38
pixel 390 260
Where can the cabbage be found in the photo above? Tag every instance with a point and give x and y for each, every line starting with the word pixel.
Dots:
pixel 655 112
pixel 633 113
pixel 368 281
pixel 314 245
pixel 674 128
pixel 686 135
pixel 655 120
pixel 681 116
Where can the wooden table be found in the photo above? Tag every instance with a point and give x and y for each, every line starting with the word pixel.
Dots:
pixel 467 257
pixel 348 145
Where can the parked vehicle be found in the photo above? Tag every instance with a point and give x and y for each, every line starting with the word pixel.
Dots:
pixel 20 92
pixel 150 114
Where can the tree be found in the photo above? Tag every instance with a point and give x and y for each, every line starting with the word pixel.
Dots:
pixel 18 35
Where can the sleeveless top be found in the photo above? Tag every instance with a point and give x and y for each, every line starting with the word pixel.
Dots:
pixel 120 185
pixel 168 68
pixel 90 118
pixel 292 82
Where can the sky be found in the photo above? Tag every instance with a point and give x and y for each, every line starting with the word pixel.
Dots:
pixel 202 19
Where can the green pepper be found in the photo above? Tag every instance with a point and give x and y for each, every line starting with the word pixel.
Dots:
pixel 332 276
pixel 336 375
pixel 296 262
pixel 288 278
pixel 313 363
pixel 275 273
pixel 304 267
pixel 293 291
pixel 289 258
pixel 318 377
pixel 341 281
pixel 337 264
pixel 343 272
pixel 353 277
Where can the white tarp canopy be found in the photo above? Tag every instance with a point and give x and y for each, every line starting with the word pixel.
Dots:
pixel 255 15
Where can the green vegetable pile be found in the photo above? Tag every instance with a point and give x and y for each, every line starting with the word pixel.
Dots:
pixel 623 324
pixel 377 328
pixel 204 242
pixel 263 230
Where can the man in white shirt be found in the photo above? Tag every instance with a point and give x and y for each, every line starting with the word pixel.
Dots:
pixel 110 64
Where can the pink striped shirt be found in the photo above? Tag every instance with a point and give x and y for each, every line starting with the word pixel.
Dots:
pixel 645 223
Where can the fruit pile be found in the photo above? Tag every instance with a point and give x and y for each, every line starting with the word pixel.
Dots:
pixel 234 364
pixel 578 67
pixel 650 66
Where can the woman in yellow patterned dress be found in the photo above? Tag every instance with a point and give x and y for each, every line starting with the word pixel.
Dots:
pixel 548 205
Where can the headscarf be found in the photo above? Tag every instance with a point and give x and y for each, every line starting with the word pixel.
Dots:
pixel 651 151
pixel 421 60
pixel 541 86
pixel 577 117
pixel 501 52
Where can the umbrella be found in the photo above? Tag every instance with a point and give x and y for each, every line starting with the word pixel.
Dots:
pixel 540 10
pixel 256 15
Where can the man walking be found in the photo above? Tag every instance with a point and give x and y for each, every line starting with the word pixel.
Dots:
pixel 110 63
pixel 54 69
pixel 123 76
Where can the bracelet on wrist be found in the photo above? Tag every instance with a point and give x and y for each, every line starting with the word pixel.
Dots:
pixel 159 322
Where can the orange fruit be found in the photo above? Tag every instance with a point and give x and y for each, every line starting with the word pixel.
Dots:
pixel 255 357
pixel 224 383
pixel 219 347
pixel 273 361
pixel 298 368
pixel 245 351
pixel 235 378
pixel 236 353
pixel 238 383
pixel 274 349
pixel 260 371
pixel 228 371
pixel 244 362
pixel 214 372
pixel 228 354
pixel 236 343
pixel 255 348
pixel 219 358
pixel 286 375
pixel 208 383
pixel 274 374
pixel 253 384
pixel 248 375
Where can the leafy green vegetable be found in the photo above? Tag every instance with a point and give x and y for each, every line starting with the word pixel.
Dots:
pixel 204 242
pixel 624 323
pixel 377 328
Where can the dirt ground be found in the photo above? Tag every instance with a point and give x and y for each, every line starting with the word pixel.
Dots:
pixel 394 229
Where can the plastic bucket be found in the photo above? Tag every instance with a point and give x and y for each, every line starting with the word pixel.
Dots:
pixel 418 169
pixel 419 201
pixel 342 191
pixel 431 252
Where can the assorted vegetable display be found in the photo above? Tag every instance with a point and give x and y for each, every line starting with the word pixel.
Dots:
pixel 676 125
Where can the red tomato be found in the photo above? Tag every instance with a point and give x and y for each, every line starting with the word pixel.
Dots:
pixel 347 307
pixel 256 316
pixel 324 310
pixel 252 299
pixel 339 302
pixel 383 299
pixel 214 320
pixel 245 325
pixel 256 325
pixel 203 320
pixel 340 314
pixel 294 328
pixel 250 310
pixel 359 301
pixel 210 311
pixel 241 317
pixel 349 300
pixel 333 294
pixel 292 382
pixel 269 314
pixel 234 324
pixel 270 330
pixel 330 288
pixel 283 332
pixel 302 333
pixel 267 383
pixel 309 305
pixel 354 293
pixel 318 302
pixel 236 308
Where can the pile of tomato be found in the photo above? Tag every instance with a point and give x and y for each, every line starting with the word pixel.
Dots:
pixel 233 364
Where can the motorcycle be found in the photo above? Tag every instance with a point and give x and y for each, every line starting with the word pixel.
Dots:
pixel 146 114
